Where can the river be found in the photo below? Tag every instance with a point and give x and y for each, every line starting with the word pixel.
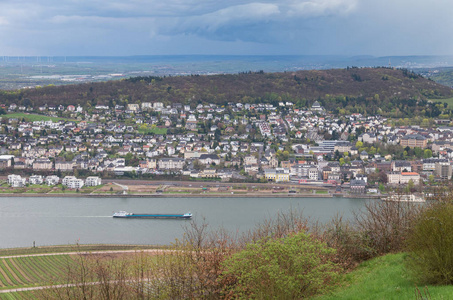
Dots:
pixel 60 221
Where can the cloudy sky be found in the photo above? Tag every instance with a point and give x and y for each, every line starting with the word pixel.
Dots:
pixel 153 27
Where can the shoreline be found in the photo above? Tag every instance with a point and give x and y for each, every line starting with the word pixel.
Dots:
pixel 251 195
pixel 167 195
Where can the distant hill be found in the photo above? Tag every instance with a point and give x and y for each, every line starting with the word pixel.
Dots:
pixel 371 90
pixel 443 76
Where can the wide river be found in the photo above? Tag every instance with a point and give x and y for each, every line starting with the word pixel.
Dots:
pixel 60 221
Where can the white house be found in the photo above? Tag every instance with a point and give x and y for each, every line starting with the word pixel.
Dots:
pixel 93 181
pixel 72 182
pixel 36 179
pixel 52 180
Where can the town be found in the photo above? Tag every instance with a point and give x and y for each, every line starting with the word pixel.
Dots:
pixel 238 142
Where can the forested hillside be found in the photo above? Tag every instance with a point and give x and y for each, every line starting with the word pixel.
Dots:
pixel 366 90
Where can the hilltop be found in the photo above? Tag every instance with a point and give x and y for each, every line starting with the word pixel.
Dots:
pixel 369 90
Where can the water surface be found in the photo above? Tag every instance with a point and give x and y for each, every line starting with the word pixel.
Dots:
pixel 59 221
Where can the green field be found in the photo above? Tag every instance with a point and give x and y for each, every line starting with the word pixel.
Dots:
pixel 384 278
pixel 449 101
pixel 153 130
pixel 34 117
pixel 21 272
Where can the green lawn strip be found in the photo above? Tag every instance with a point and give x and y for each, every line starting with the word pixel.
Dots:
pixel 383 278
pixel 36 117
pixel 449 101
pixel 15 272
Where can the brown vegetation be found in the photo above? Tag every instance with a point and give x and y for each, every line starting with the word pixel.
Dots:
pixel 369 88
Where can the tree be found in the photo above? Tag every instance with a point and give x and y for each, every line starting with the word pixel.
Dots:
pixel 427 153
pixel 410 186
pixel 294 267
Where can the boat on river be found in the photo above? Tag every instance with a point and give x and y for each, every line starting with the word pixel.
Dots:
pixel 127 215
pixel 404 198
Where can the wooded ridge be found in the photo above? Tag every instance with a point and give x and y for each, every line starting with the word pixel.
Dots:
pixel 373 90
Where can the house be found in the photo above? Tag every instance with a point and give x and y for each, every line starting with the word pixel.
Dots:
pixel 133 107
pixel 277 175
pixel 429 164
pixel 158 106
pixel 443 170
pixel 72 182
pixel 358 186
pixel 367 138
pixel 36 179
pixel 208 159
pixel 52 180
pixel 93 181
pixel 251 160
pixel 343 146
pixel 171 163
pixel 5 161
pixel 64 166
pixel 42 164
pixel 208 173
pixel 16 181
pixel 363 155
pixel 401 166
pixel 414 140
pixel 316 106
pixel 403 177
pixel 191 123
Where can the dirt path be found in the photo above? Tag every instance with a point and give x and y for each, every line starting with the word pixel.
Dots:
pixel 152 251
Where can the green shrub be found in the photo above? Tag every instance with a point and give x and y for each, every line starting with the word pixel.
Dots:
pixel 293 267
pixel 430 245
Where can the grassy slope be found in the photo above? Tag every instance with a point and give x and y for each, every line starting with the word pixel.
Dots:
pixel 384 278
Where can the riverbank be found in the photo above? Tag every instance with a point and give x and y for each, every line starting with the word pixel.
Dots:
pixel 169 195
pixel 164 189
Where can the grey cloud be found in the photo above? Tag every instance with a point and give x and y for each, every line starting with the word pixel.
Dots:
pixel 277 26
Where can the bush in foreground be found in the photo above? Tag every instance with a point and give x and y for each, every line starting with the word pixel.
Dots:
pixel 430 245
pixel 293 267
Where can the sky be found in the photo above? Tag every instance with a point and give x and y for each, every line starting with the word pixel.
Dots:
pixel 226 27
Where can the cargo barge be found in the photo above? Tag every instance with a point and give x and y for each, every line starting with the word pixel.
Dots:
pixel 126 215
